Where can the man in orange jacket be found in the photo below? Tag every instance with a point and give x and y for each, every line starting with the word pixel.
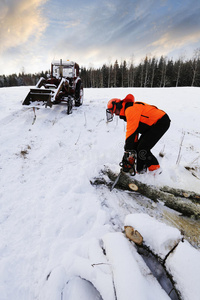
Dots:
pixel 146 124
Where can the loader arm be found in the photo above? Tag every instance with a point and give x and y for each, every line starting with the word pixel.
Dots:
pixel 63 82
pixel 41 82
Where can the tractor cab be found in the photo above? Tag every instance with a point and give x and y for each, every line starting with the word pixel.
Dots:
pixel 66 69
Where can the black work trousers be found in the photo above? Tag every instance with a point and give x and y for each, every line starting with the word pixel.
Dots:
pixel 148 140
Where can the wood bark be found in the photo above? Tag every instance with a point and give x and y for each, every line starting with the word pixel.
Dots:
pixel 185 202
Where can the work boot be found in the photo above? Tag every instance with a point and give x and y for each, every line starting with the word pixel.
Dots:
pixel 153 167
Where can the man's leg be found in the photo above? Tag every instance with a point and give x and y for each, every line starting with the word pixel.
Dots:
pixel 148 140
pixel 146 159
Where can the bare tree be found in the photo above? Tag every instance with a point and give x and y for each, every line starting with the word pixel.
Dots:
pixel 195 63
pixel 162 67
pixel 153 67
pixel 131 72
pixel 146 70
pixel 116 68
pixel 180 62
pixel 109 67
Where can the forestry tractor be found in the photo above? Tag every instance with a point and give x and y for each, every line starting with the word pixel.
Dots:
pixel 63 86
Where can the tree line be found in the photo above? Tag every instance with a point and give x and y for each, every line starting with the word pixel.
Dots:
pixel 150 72
pixel 21 79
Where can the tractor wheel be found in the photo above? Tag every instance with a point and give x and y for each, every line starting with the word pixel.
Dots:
pixel 79 94
pixel 69 106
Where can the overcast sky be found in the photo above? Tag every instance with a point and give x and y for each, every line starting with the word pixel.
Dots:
pixel 94 32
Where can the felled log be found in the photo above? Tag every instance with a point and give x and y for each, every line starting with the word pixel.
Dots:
pixel 133 235
pixel 182 193
pixel 185 202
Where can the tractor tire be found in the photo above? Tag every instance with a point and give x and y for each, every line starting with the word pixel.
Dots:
pixel 79 94
pixel 69 106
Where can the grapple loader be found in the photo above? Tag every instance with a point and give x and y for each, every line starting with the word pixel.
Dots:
pixel 63 86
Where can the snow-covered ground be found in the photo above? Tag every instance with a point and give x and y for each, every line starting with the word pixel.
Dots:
pixel 61 237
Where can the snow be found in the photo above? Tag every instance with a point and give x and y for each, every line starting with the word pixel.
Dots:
pixel 161 243
pixel 61 237
pixel 183 264
pixel 131 276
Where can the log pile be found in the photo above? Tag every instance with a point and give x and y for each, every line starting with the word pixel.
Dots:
pixel 185 202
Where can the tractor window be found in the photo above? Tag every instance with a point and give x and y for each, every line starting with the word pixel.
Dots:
pixel 68 72
pixel 56 71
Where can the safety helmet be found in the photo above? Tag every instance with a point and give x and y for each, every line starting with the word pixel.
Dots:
pixel 112 105
pixel 117 104
pixel 129 98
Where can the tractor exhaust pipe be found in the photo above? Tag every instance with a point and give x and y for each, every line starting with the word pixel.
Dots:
pixel 61 68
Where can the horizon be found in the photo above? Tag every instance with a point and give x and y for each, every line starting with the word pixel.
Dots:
pixel 107 64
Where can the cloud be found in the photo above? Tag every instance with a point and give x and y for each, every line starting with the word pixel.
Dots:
pixel 103 30
pixel 20 20
pixel 182 31
pixel 168 42
pixel 93 32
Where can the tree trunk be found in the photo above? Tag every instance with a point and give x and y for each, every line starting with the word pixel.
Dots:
pixel 185 202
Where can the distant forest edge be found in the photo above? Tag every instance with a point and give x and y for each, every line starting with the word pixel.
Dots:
pixel 151 72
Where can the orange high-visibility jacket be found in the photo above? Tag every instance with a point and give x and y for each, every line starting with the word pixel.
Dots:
pixel 140 116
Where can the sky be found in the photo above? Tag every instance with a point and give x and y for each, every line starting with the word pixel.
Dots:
pixel 95 32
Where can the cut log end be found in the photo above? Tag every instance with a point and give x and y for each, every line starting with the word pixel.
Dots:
pixel 186 195
pixel 133 235
pixel 133 187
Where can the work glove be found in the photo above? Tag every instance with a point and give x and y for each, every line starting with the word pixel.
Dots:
pixel 128 162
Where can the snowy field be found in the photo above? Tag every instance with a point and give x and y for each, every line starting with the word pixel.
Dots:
pixel 61 238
